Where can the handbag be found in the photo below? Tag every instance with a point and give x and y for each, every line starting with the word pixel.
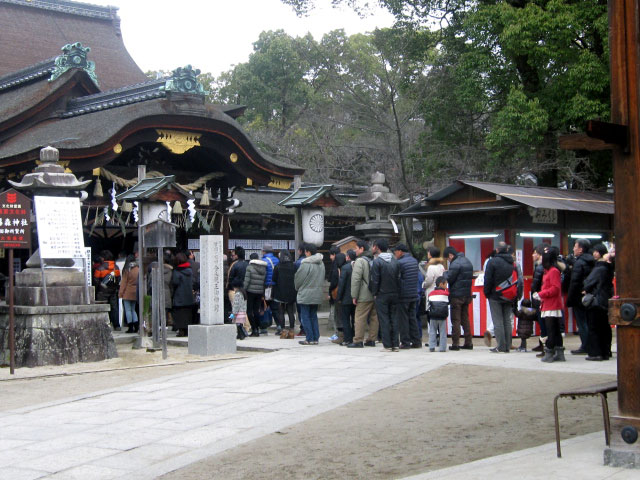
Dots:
pixel 589 300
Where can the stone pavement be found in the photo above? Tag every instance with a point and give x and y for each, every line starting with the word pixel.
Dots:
pixel 582 459
pixel 147 429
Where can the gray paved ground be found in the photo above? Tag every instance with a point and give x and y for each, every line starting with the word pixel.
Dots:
pixel 146 429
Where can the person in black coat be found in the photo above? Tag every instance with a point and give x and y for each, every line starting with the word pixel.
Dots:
pixel 600 284
pixel 581 269
pixel 238 269
pixel 348 309
pixel 182 282
pixel 385 287
pixel 410 336
pixel 499 269
pixel 334 277
pixel 284 291
pixel 460 279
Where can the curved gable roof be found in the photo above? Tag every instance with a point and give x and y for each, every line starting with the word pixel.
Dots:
pixel 46 25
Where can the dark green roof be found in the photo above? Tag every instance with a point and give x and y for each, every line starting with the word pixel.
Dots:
pixel 150 186
pixel 305 196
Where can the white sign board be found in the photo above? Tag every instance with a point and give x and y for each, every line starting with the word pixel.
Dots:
pixel 544 215
pixel 59 227
pixel 87 266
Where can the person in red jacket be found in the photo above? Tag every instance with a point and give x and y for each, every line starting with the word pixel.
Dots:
pixel 550 296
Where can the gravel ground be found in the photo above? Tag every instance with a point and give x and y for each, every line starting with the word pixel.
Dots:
pixel 453 415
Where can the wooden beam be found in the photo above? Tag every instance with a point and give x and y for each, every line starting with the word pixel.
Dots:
pixel 581 141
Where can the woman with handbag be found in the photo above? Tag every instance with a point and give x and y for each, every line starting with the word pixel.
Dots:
pixel 598 289
pixel 550 296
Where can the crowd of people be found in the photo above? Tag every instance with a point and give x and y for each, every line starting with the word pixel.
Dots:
pixel 119 285
pixel 379 294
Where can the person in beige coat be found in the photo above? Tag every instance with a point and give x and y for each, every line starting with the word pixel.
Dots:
pixel 129 292
pixel 366 313
pixel 435 269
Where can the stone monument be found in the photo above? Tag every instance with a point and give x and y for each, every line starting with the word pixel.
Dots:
pixel 61 325
pixel 212 336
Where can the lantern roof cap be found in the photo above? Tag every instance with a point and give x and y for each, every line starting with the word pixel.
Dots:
pixel 312 196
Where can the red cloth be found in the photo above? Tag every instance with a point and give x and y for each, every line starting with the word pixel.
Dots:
pixel 551 292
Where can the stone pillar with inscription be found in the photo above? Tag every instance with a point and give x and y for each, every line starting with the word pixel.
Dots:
pixel 212 336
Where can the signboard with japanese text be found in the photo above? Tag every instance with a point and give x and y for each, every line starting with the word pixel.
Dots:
pixel 15 214
pixel 544 215
pixel 59 227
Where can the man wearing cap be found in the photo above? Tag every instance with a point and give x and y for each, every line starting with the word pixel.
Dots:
pixel 410 336
pixel 272 261
pixel 460 278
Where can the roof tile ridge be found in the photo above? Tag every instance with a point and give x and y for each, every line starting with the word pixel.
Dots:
pixel 114 98
pixel 27 74
pixel 120 90
pixel 70 6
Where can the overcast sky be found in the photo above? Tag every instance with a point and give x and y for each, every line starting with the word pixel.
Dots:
pixel 213 35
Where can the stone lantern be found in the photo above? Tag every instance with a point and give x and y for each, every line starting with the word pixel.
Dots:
pixel 379 203
pixel 56 319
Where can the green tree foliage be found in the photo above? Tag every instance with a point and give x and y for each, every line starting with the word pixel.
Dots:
pixel 343 107
pixel 510 77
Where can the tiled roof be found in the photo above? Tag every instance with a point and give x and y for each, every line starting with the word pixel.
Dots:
pixel 115 98
pixel 530 196
pixel 150 186
pixel 28 74
pixel 67 6
pixel 36 30
pixel 307 195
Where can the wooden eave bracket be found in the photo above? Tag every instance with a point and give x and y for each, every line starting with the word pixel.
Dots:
pixel 599 136
pixel 610 133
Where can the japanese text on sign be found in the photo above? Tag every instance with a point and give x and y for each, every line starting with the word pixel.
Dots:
pixel 15 213
pixel 59 227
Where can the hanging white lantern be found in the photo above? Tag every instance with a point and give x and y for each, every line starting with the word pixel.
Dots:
pixel 313 226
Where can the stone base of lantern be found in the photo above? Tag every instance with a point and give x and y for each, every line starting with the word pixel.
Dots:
pixel 212 339
pixel 57 335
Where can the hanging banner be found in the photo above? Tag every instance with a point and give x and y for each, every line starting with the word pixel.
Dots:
pixel 59 227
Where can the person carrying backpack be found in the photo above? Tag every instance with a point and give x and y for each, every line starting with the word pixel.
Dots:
pixel 438 308
pixel 501 289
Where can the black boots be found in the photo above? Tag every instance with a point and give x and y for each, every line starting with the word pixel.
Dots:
pixel 241 333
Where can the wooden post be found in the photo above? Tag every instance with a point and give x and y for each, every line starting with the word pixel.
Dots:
pixel 12 322
pixel 625 48
pixel 297 219
pixel 142 338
